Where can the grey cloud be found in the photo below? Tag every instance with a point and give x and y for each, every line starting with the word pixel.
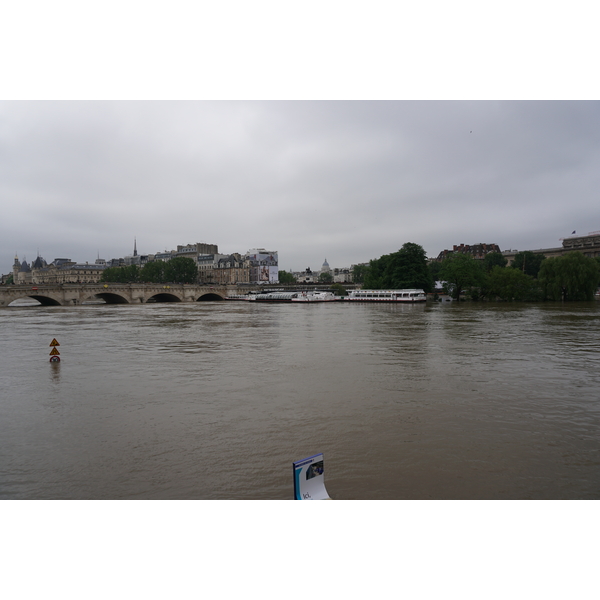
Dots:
pixel 344 180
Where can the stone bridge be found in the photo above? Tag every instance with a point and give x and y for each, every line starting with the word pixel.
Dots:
pixel 72 294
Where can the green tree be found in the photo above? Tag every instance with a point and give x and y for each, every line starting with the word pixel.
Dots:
pixel 572 276
pixel 512 284
pixel 286 278
pixel 494 259
pixel 132 273
pixel 404 269
pixel 459 272
pixel 128 274
pixel 153 272
pixel 108 275
pixel 325 277
pixel 528 262
pixel 434 270
pixel 359 273
pixel 339 290
pixel 374 275
pixel 181 270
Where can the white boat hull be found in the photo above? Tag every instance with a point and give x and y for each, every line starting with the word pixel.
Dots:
pixel 310 297
pixel 404 296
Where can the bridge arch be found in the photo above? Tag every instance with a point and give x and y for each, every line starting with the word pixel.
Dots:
pixel 43 300
pixel 164 297
pixel 209 297
pixel 110 298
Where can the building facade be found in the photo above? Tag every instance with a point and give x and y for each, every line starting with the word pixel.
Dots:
pixel 264 266
pixel 343 275
pixel 230 269
pixel 477 251
pixel 59 271
pixel 306 276
pixel 588 245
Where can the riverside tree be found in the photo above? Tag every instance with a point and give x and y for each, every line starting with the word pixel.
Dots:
pixel 572 276
pixel 153 272
pixel 181 270
pixel 359 273
pixel 339 290
pixel 459 272
pixel 511 284
pixel 178 270
pixel 404 269
pixel 493 259
pixel 286 278
pixel 128 274
pixel 434 270
pixel 528 262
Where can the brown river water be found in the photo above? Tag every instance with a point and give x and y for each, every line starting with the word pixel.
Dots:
pixel 215 400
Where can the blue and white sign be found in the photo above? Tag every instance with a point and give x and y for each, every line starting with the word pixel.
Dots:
pixel 309 479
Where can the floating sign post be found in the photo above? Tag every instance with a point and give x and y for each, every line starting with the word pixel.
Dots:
pixel 309 479
pixel 54 353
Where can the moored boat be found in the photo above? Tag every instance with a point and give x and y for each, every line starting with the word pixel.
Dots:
pixel 315 297
pixel 411 295
pixel 274 297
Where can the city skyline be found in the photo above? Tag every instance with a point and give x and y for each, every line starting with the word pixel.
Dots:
pixel 315 268
pixel 346 180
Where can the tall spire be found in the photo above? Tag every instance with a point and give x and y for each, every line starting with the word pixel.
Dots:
pixel 134 246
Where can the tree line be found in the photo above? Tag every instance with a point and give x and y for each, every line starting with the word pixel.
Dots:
pixel 530 278
pixel 177 270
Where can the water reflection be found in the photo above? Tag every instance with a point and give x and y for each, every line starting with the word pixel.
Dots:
pixel 55 372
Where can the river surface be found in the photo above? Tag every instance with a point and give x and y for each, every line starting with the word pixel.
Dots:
pixel 215 400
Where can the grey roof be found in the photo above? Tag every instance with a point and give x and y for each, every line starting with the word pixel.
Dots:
pixel 38 263
pixel 89 267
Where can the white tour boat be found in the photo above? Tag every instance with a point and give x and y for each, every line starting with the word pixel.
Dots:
pixel 274 297
pixel 315 297
pixel 294 297
pixel 386 296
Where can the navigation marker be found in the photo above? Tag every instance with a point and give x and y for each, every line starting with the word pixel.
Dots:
pixel 54 353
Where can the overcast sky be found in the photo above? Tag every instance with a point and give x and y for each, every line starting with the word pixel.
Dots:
pixel 342 180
